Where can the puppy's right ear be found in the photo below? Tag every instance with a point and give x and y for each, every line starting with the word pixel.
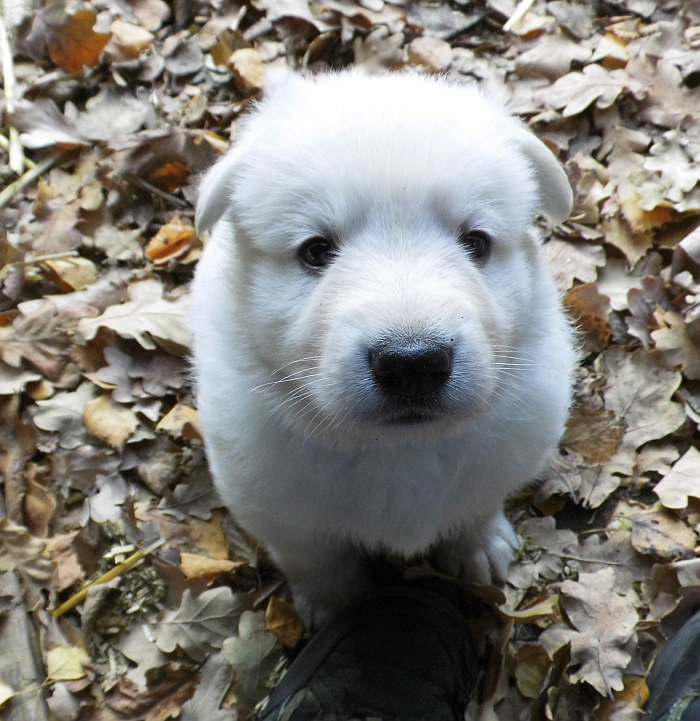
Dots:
pixel 215 192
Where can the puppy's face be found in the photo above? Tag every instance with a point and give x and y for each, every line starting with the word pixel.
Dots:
pixel 384 268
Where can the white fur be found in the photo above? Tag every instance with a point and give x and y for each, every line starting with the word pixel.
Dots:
pixel 299 449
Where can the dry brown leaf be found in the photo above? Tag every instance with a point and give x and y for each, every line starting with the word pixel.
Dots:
pixel 70 40
pixel 248 69
pixel 283 621
pixel 111 423
pixel 531 666
pixel 430 54
pixel 181 421
pixel 39 507
pixel 172 241
pixel 147 317
pixel 589 309
pixel 209 536
pixel 682 483
pixel 195 566
pixel 66 663
pixel 574 261
pixel 63 414
pixel 72 273
pixel 676 344
pixel 201 622
pixel 20 551
pixel 128 40
pixel 638 390
pixel 660 534
pixel 603 621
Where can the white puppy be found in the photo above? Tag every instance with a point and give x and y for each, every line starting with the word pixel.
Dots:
pixel 380 353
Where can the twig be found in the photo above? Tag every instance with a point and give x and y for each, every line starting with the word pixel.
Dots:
pixel 5 145
pixel 584 560
pixel 145 185
pixel 8 79
pixel 118 570
pixel 42 258
pixel 29 177
pixel 518 14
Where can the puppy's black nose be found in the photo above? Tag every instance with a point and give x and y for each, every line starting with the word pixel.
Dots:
pixel 411 370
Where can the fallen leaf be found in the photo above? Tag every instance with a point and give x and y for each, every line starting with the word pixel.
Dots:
pixel 111 423
pixel 638 390
pixel 602 621
pixel 66 663
pixel 660 534
pixel 205 705
pixel 147 317
pixel 70 39
pixel 128 40
pixel 195 566
pixel 202 622
pixel 71 274
pixel 248 69
pixel 683 482
pixel 677 346
pixel 430 54
pixel 63 414
pixel 173 240
pixel 181 421
pixel 283 621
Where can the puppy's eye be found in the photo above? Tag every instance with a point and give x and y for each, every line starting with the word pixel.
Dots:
pixel 477 242
pixel 316 252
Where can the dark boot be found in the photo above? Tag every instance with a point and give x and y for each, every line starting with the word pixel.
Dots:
pixel 402 655
pixel 674 682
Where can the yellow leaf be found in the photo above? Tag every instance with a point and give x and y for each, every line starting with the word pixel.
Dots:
pixel 544 609
pixel 66 663
pixel 248 69
pixel 196 566
pixel 181 420
pixel 71 273
pixel 110 422
pixel 171 241
pixel 209 537
pixel 282 620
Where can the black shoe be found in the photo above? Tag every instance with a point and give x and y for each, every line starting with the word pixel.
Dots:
pixel 404 654
pixel 674 682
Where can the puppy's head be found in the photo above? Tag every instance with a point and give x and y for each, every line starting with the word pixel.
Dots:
pixel 384 269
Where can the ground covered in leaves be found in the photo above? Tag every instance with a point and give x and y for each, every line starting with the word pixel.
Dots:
pixel 111 110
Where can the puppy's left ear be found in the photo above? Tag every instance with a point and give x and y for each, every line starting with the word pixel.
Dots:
pixel 214 192
pixel 556 195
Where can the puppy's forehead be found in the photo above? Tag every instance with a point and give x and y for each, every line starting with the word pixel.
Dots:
pixel 350 143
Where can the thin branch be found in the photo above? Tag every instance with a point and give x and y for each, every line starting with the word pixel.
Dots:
pixel 5 145
pixel 115 572
pixel 584 560
pixel 518 14
pixel 8 79
pixel 30 176
pixel 149 187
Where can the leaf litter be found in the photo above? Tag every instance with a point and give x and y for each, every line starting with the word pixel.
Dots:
pixel 112 110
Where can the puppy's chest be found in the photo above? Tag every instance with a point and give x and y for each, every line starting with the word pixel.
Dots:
pixel 401 500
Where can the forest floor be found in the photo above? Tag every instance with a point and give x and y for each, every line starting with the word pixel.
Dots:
pixel 111 111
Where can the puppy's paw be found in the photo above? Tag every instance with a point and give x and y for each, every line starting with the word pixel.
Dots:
pixel 479 557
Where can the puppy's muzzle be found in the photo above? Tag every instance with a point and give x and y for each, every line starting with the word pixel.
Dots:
pixel 413 371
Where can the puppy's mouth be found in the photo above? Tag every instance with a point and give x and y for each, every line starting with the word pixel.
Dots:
pixel 410 412
pixel 412 418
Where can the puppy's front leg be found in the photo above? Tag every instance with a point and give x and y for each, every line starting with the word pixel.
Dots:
pixel 325 574
pixel 480 553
